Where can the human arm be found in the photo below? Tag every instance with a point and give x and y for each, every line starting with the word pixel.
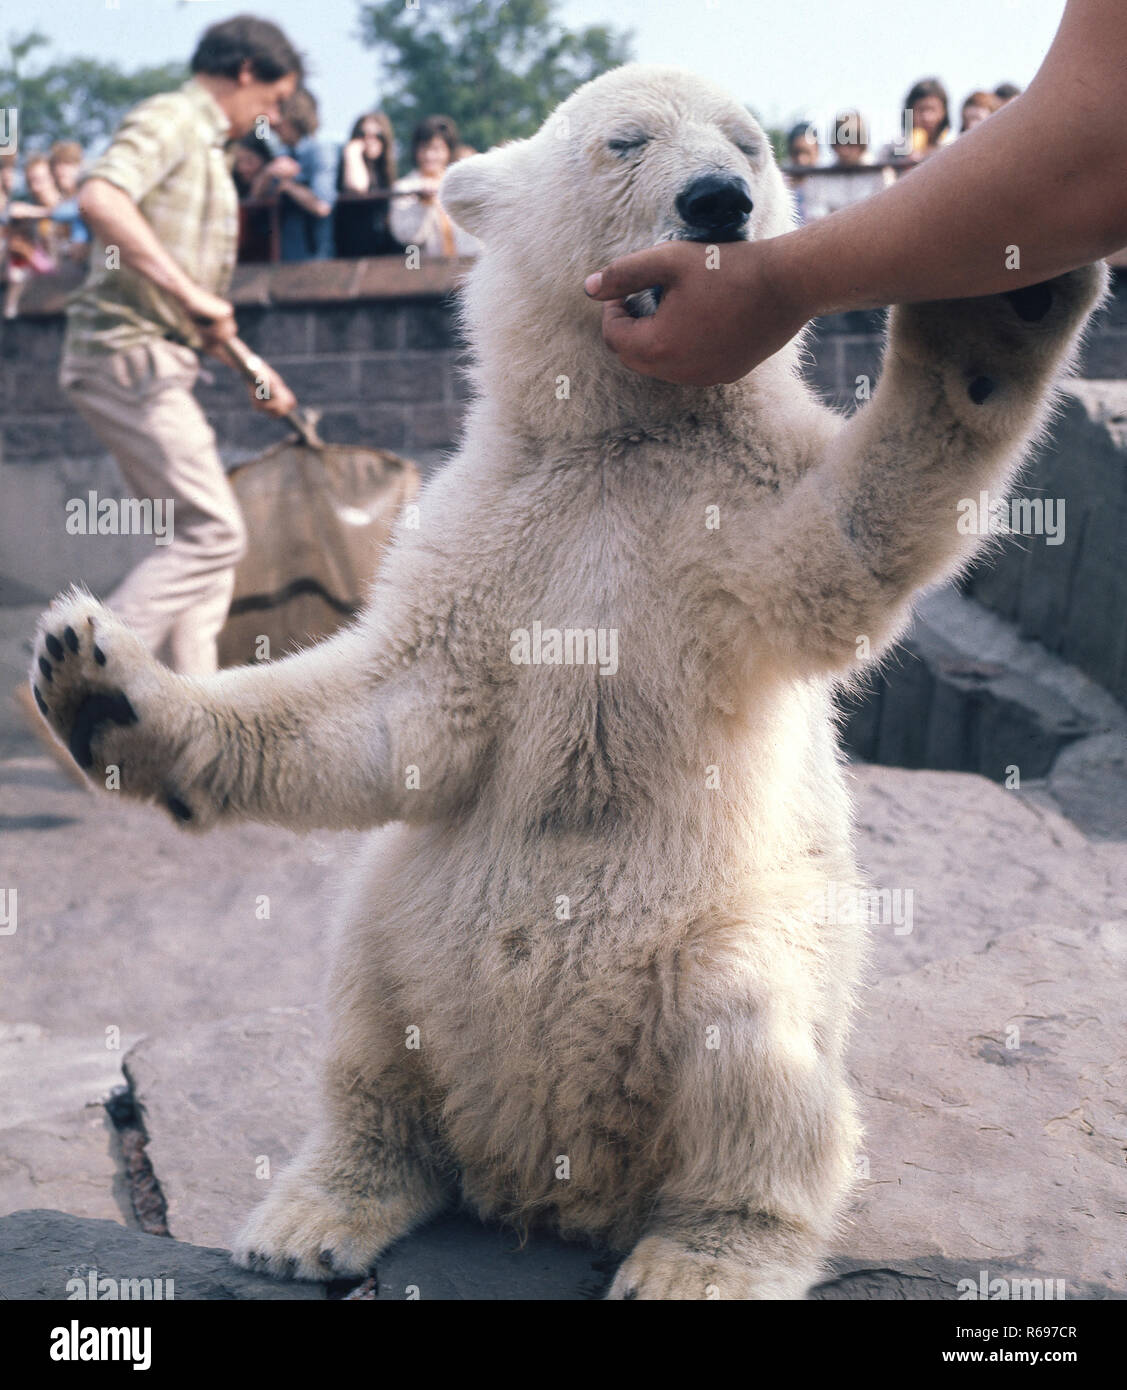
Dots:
pixel 116 220
pixel 1046 175
pixel 354 169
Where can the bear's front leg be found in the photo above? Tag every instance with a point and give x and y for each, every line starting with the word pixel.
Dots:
pixel 965 386
pixel 128 721
pixel 364 1177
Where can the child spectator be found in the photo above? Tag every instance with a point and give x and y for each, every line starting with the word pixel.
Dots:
pixel 976 108
pixel 71 237
pixel 366 167
pixel 847 180
pixel 802 145
pixel 303 177
pixel 417 217
pixel 803 154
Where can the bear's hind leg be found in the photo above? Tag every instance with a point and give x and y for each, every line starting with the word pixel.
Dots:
pixel 364 1177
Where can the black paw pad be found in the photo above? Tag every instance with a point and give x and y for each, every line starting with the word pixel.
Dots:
pixel 40 701
pixel 1032 303
pixel 99 655
pixel 71 638
pixel 178 808
pixel 980 388
pixel 93 711
pixel 45 667
pixel 55 647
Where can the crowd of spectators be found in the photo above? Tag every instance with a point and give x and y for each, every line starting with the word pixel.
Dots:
pixel 39 222
pixel 301 198
pixel 855 171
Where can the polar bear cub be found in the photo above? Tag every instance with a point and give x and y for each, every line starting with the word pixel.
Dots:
pixel 580 979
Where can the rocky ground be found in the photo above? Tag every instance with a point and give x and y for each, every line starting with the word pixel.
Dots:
pixel 989 1052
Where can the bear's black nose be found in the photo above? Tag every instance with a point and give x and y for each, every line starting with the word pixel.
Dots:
pixel 716 205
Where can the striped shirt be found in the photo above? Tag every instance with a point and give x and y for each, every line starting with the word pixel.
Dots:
pixel 169 156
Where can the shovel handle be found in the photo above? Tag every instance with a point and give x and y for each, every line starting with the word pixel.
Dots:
pixel 253 369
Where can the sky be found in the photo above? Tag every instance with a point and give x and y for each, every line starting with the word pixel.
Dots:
pixel 787 59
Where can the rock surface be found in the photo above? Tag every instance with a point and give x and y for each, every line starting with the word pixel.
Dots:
pixel 40 1251
pixel 980 1156
pixel 992 1091
pixel 979 860
pixel 57 1145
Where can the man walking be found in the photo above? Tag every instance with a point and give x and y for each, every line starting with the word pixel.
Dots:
pixel 164 213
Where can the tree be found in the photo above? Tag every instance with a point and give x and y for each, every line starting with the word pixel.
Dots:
pixel 498 67
pixel 73 98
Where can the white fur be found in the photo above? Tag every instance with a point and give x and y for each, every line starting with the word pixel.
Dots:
pixel 676 1033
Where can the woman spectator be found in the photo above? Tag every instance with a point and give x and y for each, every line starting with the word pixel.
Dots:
pixel 417 217
pixel 976 108
pixel 366 168
pixel 931 120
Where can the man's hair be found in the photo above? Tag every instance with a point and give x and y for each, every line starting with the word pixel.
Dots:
pixel 1006 91
pixel 225 47
pixel 65 152
pixel 300 110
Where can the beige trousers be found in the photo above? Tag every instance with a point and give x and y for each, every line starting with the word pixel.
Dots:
pixel 139 403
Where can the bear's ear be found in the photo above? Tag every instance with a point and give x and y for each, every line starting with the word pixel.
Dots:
pixel 478 189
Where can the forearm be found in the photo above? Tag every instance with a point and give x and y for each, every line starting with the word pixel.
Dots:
pixel 306 198
pixel 1045 175
pixel 117 221
pixel 354 174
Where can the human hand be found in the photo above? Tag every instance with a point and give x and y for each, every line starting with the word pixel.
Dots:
pixel 271 395
pixel 213 316
pixel 723 310
pixel 283 168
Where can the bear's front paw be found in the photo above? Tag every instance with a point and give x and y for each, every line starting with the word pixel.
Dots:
pixel 302 1231
pixel 96 685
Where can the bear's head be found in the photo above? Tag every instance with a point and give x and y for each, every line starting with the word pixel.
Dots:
pixel 639 155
